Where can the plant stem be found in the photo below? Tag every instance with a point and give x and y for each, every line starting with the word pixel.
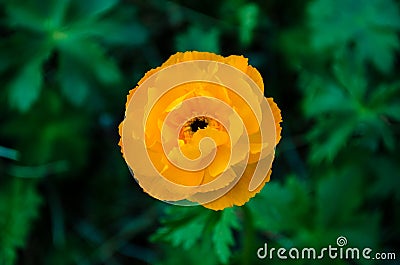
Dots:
pixel 248 236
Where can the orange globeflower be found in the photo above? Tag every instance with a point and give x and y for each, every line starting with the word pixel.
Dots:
pixel 198 130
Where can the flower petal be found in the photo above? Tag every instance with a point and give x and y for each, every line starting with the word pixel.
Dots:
pixel 240 193
pixel 276 112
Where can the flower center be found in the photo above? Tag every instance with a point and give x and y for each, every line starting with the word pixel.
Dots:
pixel 198 123
pixel 195 124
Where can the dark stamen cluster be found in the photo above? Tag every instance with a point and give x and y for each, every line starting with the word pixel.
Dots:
pixel 198 123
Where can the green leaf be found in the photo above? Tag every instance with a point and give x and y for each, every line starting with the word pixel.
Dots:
pixel 19 206
pixel 38 171
pixel 90 56
pixel 36 15
pixel 24 14
pixel 24 90
pixel 385 100
pixel 336 24
pixel 282 207
pixel 222 236
pixel 342 107
pixel 248 20
pixel 9 153
pixel 381 131
pixel 183 226
pixel 63 133
pixel 387 177
pixel 57 11
pixel 324 96
pixel 330 136
pixel 294 44
pixel 120 32
pixel 74 85
pixel 120 27
pixel 392 110
pixel 197 227
pixel 198 39
pixel 14 54
pixel 90 9
pixel 351 78
pixel 333 208
pixel 380 49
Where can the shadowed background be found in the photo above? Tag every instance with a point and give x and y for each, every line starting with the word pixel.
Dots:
pixel 66 194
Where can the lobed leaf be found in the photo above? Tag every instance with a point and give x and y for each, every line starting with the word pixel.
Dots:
pixel 195 226
pixel 282 207
pixel 183 226
pixel 91 58
pixel 222 235
pixel 19 206
pixel 25 89
pixel 248 20
pixel 75 86
pixel 199 39
pixel 336 24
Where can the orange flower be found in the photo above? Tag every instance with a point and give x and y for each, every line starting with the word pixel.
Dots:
pixel 198 130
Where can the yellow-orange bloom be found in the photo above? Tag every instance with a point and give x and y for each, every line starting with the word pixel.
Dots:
pixel 198 130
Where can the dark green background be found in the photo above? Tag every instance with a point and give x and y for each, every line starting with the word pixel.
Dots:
pixel 66 194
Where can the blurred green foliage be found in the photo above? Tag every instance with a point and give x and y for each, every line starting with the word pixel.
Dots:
pixel 66 195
